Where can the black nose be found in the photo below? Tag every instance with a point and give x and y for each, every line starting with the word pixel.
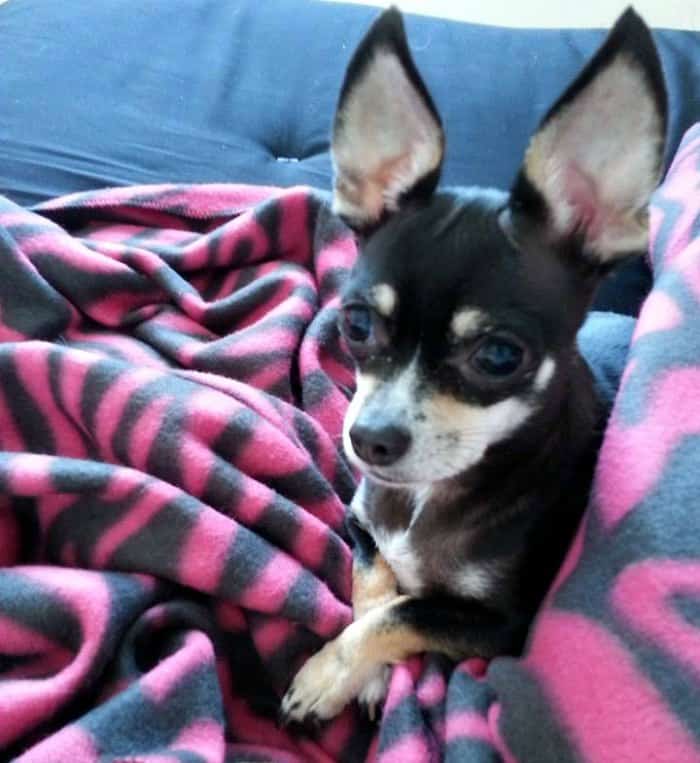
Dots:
pixel 379 446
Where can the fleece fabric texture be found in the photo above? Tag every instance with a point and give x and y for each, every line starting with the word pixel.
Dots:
pixel 172 386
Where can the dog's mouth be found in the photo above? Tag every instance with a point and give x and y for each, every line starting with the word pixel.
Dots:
pixel 383 480
pixel 388 480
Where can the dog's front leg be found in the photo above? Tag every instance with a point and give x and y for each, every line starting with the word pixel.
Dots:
pixel 373 584
pixel 390 633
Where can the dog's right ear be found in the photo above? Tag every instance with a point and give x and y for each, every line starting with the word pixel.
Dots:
pixel 597 156
pixel 388 142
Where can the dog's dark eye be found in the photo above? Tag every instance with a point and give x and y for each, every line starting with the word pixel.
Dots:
pixel 497 357
pixel 356 324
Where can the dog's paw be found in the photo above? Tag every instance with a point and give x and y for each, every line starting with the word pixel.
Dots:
pixel 322 688
pixel 373 693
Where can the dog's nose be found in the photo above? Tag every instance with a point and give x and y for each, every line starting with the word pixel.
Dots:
pixel 379 446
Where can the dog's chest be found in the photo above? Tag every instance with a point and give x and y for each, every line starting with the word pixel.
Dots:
pixel 399 551
pixel 425 555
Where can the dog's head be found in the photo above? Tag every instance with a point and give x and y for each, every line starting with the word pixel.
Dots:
pixel 463 308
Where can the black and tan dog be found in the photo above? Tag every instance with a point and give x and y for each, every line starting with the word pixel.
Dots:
pixel 474 424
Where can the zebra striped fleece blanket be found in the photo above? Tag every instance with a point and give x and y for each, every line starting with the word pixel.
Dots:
pixel 172 387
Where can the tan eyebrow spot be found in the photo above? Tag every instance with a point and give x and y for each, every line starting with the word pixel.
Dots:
pixel 467 321
pixel 384 298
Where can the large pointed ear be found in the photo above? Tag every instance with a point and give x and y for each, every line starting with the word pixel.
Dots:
pixel 595 159
pixel 388 141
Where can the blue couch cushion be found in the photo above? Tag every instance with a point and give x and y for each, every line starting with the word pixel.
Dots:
pixel 123 91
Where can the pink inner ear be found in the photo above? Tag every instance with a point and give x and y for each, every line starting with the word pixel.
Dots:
pixel 589 214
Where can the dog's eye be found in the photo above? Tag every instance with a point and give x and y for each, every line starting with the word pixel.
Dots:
pixel 497 357
pixel 356 324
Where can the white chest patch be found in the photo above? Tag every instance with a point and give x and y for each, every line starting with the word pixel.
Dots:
pixel 474 580
pixel 399 554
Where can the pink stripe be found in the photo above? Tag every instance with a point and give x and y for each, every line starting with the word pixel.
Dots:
pixel 331 614
pixel 111 232
pixel 23 704
pixel 466 724
pixel 110 410
pixel 30 474
pixel 474 667
pixel 680 186
pixel 185 324
pixel 18 639
pixel 208 416
pixel 72 252
pixel 431 690
pixel 275 375
pixel 294 227
pixel 401 686
pixel 629 467
pixel 153 499
pixel 688 265
pixel 19 217
pixel 164 678
pixel 643 595
pixel 33 370
pixel 311 543
pixel 660 313
pixel 73 369
pixel 590 679
pixel 205 552
pixel 193 305
pixel 145 431
pixel 119 306
pixel 244 228
pixel 271 587
pixel 203 200
pixel 412 748
pixel 270 635
pixel 269 453
pixel 251 342
pixel 130 348
pixel 70 743
pixel 254 499
pixel 283 302
pixel 337 735
pixel 204 738
pixel 211 412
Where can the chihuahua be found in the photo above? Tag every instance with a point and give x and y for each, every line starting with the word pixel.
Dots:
pixel 475 424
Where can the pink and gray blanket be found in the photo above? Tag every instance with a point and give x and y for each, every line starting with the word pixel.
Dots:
pixel 172 387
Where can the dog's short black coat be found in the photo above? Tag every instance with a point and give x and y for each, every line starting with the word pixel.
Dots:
pixel 456 546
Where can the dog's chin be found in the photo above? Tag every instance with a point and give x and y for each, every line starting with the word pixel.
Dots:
pixel 387 477
pixel 386 481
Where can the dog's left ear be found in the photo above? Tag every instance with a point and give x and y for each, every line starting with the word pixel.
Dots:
pixel 388 142
pixel 597 156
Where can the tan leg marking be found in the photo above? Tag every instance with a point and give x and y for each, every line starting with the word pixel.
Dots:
pixel 372 585
pixel 339 672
